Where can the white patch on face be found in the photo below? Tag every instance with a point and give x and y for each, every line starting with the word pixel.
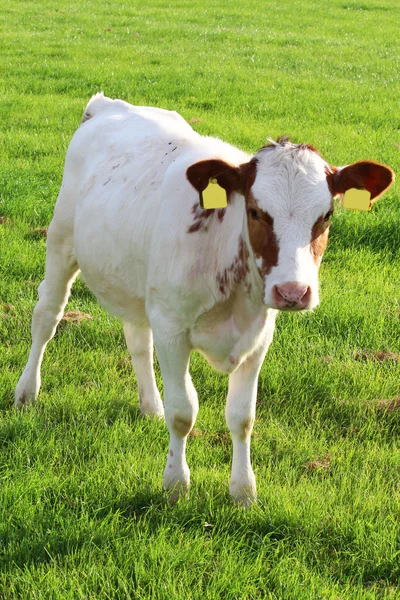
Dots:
pixel 259 262
pixel 291 186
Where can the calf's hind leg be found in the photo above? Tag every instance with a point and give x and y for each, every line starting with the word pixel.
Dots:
pixel 61 270
pixel 139 340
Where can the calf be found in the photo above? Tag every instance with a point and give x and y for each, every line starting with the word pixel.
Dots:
pixel 129 216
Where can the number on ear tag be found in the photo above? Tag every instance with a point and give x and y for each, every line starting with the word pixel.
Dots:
pixel 357 199
pixel 213 196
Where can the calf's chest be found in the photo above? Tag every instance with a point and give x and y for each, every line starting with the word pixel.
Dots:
pixel 228 332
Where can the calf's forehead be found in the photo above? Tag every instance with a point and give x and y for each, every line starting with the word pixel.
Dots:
pixel 291 182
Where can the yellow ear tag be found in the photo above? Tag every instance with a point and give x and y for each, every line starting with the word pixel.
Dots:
pixel 213 196
pixel 357 199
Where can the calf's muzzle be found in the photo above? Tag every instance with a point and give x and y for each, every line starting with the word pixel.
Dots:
pixel 291 295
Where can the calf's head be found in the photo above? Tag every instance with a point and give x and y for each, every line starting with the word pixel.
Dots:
pixel 288 192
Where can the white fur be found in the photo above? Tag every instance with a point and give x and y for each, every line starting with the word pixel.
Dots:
pixel 122 218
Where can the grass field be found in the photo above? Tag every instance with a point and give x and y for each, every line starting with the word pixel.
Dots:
pixel 82 511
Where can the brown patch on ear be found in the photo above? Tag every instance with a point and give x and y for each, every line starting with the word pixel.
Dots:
pixel 261 235
pixel 227 176
pixel 319 239
pixel 248 172
pixel 363 175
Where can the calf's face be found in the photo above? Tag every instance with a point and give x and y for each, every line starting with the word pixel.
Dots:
pixel 289 198
pixel 288 191
pixel 289 206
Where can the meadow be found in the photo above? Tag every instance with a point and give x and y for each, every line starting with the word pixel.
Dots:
pixel 82 510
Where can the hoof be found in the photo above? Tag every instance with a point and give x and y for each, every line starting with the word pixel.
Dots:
pixel 176 483
pixel 151 407
pixel 151 411
pixel 244 495
pixel 177 493
pixel 22 397
pixel 24 400
pixel 27 390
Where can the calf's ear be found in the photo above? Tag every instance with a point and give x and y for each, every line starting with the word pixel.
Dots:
pixel 227 176
pixel 363 175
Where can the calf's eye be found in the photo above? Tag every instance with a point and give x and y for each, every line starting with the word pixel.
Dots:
pixel 328 215
pixel 253 213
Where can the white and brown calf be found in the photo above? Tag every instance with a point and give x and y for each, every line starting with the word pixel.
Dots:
pixel 128 217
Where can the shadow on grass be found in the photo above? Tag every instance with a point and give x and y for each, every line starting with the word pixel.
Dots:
pixel 340 418
pixel 148 515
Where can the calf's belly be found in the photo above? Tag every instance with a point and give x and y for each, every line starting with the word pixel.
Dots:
pixel 121 293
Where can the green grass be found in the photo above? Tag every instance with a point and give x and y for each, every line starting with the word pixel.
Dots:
pixel 82 512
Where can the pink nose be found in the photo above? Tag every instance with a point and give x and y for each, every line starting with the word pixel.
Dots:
pixel 292 295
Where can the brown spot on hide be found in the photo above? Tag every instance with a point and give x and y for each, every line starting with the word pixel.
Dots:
pixel 362 175
pixel 221 214
pixel 319 239
pixel 201 217
pixel 260 223
pixel 182 426
pixel 237 270
pixel 261 234
pixel 196 226
pixel 171 453
pixel 246 427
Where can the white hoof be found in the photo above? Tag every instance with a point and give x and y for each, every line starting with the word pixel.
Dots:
pixel 151 404
pixel 26 391
pixel 176 482
pixel 244 494
pixel 152 410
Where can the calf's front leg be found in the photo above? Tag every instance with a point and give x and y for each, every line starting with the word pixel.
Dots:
pixel 240 413
pixel 180 406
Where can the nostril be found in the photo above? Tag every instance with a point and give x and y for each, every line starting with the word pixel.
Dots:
pixel 291 295
pixel 277 296
pixel 306 297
